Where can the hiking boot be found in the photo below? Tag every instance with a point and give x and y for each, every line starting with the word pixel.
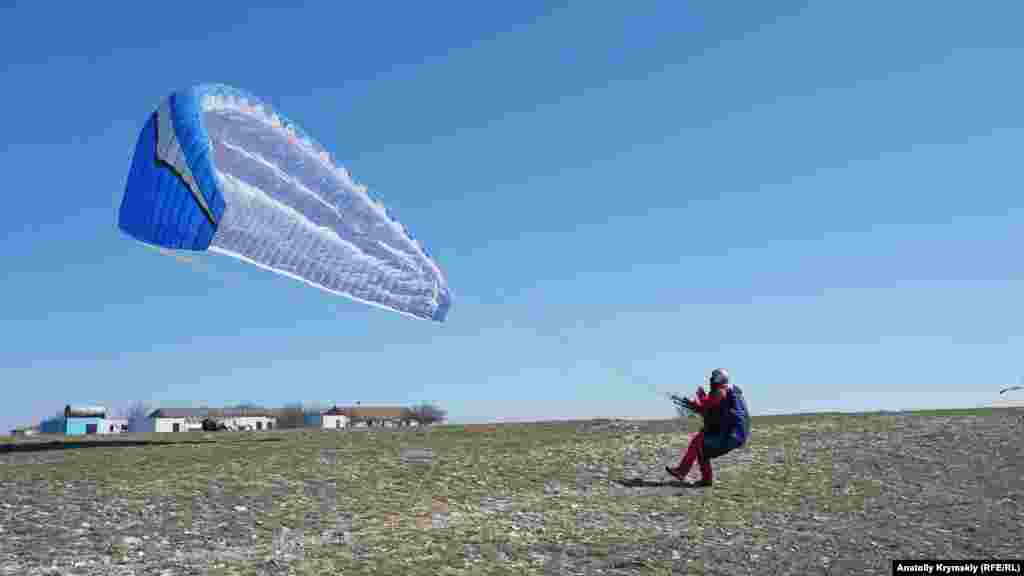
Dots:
pixel 674 472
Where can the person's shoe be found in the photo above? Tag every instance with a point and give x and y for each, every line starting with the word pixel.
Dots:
pixel 701 484
pixel 674 472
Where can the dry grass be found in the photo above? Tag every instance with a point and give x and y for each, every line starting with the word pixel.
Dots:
pixel 820 493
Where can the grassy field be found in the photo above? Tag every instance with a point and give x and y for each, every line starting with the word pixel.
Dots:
pixel 820 493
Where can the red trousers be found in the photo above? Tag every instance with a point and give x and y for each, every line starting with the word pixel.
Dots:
pixel 695 452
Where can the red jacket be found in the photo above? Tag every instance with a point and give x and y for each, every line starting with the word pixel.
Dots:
pixel 710 407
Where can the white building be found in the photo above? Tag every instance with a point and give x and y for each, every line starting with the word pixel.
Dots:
pixel 191 419
pixel 333 419
pixel 112 426
pixel 247 419
pixel 338 418
pixel 172 420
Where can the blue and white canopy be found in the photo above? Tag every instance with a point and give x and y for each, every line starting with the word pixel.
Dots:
pixel 216 169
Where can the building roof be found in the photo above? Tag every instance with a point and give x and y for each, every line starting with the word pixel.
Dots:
pixel 188 413
pixel 364 411
pixel 372 411
pixel 84 411
pixel 179 413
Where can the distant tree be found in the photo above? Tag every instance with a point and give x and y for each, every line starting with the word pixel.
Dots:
pixel 424 414
pixel 136 414
pixel 407 415
pixel 136 410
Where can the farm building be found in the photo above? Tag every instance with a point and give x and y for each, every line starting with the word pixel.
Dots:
pixel 357 417
pixel 113 426
pixel 374 416
pixel 83 419
pixel 78 420
pixel 333 419
pixel 246 418
pixel 189 419
pixel 174 420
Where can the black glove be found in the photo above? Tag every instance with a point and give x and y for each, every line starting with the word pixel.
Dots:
pixel 685 403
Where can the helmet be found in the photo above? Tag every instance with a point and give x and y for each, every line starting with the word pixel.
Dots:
pixel 719 377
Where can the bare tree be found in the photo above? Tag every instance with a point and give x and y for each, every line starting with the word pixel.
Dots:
pixel 425 414
pixel 136 410
pixel 291 416
pixel 136 414
pixel 407 416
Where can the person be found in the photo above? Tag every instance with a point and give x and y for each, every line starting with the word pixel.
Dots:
pixel 719 435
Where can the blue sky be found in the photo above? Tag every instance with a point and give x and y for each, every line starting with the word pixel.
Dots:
pixel 823 198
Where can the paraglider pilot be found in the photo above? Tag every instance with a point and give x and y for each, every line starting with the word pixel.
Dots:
pixel 724 427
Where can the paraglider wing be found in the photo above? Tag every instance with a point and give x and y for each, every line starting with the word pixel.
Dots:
pixel 216 169
pixel 1011 388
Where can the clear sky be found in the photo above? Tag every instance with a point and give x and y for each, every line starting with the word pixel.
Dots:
pixel 824 198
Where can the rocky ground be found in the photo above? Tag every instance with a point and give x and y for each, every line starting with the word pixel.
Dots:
pixel 812 498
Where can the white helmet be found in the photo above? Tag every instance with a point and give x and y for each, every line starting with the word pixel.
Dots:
pixel 719 377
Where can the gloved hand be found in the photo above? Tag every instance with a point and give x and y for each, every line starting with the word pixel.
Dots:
pixel 684 402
